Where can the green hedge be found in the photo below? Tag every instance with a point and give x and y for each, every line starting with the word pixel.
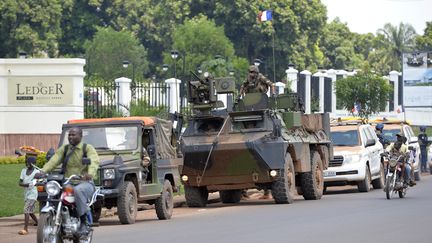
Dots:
pixel 40 160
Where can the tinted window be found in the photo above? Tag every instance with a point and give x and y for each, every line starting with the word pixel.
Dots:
pixel 391 134
pixel 345 138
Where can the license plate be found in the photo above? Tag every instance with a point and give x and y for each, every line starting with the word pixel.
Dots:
pixel 329 173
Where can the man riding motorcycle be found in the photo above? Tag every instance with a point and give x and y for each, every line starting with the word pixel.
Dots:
pixel 400 147
pixel 71 156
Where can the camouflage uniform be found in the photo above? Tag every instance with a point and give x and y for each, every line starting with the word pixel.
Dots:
pixel 259 84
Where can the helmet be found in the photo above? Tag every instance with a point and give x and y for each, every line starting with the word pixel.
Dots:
pixel 379 126
pixel 253 68
pixel 422 128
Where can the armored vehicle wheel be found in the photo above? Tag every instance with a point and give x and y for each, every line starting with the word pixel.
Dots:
pixel 230 196
pixel 164 204
pixel 127 203
pixel 284 186
pixel 196 196
pixel 379 182
pixel 312 183
pixel 364 185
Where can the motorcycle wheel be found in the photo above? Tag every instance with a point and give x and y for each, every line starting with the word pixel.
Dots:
pixel 402 192
pixel 388 190
pixel 45 227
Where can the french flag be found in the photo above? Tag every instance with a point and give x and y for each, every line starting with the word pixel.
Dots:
pixel 265 15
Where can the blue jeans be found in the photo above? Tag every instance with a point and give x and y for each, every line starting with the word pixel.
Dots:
pixel 83 194
pixel 407 172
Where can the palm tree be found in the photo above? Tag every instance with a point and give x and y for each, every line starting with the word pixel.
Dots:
pixel 402 39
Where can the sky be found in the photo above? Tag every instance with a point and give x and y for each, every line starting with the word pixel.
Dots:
pixel 364 16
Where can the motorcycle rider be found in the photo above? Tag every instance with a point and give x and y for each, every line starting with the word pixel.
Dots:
pixel 401 148
pixel 73 164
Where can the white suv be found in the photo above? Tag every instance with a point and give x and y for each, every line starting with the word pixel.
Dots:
pixel 357 157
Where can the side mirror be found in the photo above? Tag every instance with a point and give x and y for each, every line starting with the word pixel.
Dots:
pixel 370 142
pixel 49 154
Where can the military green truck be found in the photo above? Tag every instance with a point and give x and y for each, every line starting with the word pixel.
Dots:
pixel 124 180
pixel 262 143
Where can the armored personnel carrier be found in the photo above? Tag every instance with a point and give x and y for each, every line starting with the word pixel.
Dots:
pixel 260 142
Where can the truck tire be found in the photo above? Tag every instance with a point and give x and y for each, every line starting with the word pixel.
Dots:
pixel 164 204
pixel 230 196
pixel 127 204
pixel 379 183
pixel 284 187
pixel 364 185
pixel 96 213
pixel 196 197
pixel 312 183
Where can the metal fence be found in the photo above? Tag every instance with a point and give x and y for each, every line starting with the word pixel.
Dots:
pixel 102 100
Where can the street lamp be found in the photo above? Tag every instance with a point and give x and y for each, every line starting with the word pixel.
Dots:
pixel 257 62
pixel 125 65
pixel 231 72
pixel 22 55
pixel 174 55
pixel 199 69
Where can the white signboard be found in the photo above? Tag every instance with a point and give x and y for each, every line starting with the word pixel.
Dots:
pixel 40 91
pixel 417 79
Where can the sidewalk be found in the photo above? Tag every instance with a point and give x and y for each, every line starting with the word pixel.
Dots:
pixel 179 201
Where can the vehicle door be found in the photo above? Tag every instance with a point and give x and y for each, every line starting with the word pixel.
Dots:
pixel 374 150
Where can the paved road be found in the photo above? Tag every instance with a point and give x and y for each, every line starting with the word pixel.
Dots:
pixel 342 215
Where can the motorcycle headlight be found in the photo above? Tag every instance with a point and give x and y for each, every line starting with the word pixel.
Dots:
pixel 52 188
pixel 392 162
pixel 109 174
pixel 351 158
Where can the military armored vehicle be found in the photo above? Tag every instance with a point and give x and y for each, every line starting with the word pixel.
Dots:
pixel 124 180
pixel 261 142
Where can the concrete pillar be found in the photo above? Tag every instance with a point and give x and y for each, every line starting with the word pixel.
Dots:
pixel 292 78
pixel 321 76
pixel 174 94
pixel 307 101
pixel 332 74
pixel 387 109
pixel 125 95
pixel 394 77
pixel 280 87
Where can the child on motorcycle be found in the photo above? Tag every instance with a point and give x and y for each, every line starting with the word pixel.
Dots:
pixel 30 192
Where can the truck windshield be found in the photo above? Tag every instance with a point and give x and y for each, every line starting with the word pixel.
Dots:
pixel 345 138
pixel 390 135
pixel 109 138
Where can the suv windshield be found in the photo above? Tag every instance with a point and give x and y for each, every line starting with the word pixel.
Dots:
pixel 109 138
pixel 345 138
pixel 390 135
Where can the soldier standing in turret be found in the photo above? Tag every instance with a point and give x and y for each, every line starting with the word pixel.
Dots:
pixel 256 82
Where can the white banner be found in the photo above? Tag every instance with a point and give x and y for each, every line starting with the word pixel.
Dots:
pixel 417 79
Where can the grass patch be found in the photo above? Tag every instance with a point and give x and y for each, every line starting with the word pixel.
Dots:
pixel 12 195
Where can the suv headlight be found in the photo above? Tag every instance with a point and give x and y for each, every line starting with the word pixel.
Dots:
pixel 109 174
pixel 351 158
pixel 52 188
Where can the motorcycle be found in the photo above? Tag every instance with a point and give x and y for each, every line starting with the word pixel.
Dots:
pixel 394 181
pixel 58 219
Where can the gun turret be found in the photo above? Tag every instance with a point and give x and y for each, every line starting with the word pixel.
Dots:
pixel 202 93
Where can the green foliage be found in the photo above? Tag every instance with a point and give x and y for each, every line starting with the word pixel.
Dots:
pixel 30 26
pixel 107 51
pixel 366 89
pixel 11 160
pixel 12 199
pixel 142 108
pixel 424 42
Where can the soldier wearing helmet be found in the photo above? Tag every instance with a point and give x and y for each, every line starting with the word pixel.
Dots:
pixel 379 132
pixel 423 142
pixel 255 82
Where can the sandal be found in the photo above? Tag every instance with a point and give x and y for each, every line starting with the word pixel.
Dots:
pixel 23 232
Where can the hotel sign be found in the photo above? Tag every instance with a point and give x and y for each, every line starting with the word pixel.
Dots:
pixel 40 91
